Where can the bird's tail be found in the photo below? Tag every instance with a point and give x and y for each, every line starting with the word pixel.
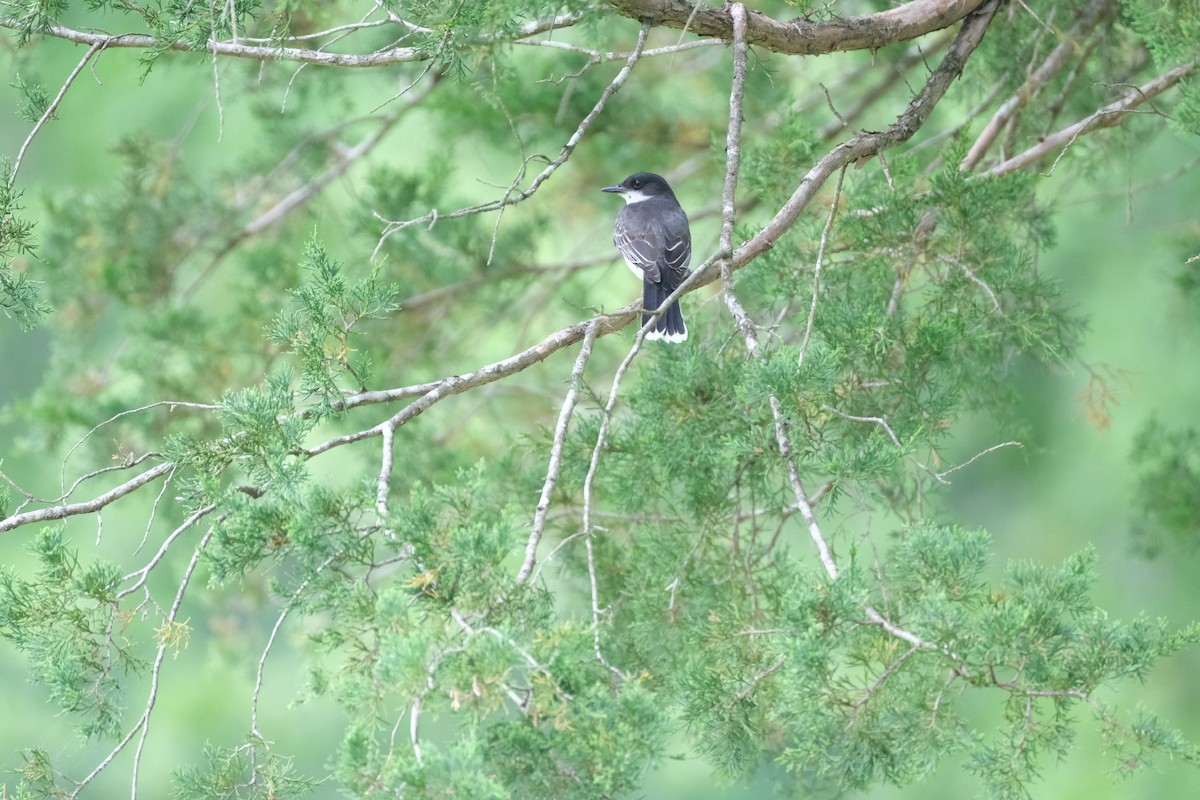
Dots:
pixel 670 326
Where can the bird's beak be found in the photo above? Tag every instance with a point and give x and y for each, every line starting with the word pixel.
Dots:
pixel 617 189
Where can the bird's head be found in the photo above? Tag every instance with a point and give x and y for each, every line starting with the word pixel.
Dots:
pixel 641 186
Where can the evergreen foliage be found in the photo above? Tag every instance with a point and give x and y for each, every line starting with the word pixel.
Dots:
pixel 310 383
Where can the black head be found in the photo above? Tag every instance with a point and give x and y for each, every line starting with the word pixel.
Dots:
pixel 641 186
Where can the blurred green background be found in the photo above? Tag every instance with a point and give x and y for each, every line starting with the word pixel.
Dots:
pixel 1124 236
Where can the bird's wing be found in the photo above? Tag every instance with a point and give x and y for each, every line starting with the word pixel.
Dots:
pixel 642 247
pixel 676 257
pixel 678 251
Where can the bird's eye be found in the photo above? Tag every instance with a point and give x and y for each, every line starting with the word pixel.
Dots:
pixel 637 184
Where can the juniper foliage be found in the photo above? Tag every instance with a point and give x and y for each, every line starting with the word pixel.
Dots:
pixel 316 423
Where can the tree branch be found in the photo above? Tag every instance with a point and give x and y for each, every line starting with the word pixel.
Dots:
pixel 274 52
pixel 744 325
pixel 72 509
pixel 1107 117
pixel 800 37
pixel 555 465
pixel 50 109
pixel 514 196
pixel 254 52
pixel 1058 58
pixel 869 143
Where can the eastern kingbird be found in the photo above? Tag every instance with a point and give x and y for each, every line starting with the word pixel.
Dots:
pixel 652 234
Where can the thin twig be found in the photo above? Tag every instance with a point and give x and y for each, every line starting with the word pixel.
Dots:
pixel 142 725
pixel 95 504
pixel 1106 117
pixel 262 660
pixel 127 462
pixel 272 51
pixel 50 109
pixel 942 475
pixel 592 581
pixel 556 448
pixel 144 573
pixel 816 289
pixel 598 56
pixel 878 619
pixel 170 404
pixel 512 198
pixel 880 421
pixel 759 678
pixel 973 278
pixel 882 679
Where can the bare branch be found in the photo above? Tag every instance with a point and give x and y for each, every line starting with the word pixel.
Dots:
pixel 816 289
pixel 867 144
pixel 169 404
pixel 733 132
pixel 279 620
pixel 759 678
pixel 50 109
pixel 73 509
pixel 799 36
pixel 597 56
pixel 1053 63
pixel 1107 117
pixel 744 325
pixel 430 393
pixel 591 562
pixel 383 482
pixel 144 573
pixel 880 421
pixel 942 475
pixel 349 27
pixel 513 196
pixel 272 51
pixel 878 619
pixel 555 465
pixel 269 52
pixel 127 462
pixel 733 154
pixel 142 725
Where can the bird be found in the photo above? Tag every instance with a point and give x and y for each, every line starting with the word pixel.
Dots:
pixel 652 234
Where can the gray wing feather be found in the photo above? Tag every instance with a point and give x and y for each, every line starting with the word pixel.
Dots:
pixel 677 255
pixel 641 248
